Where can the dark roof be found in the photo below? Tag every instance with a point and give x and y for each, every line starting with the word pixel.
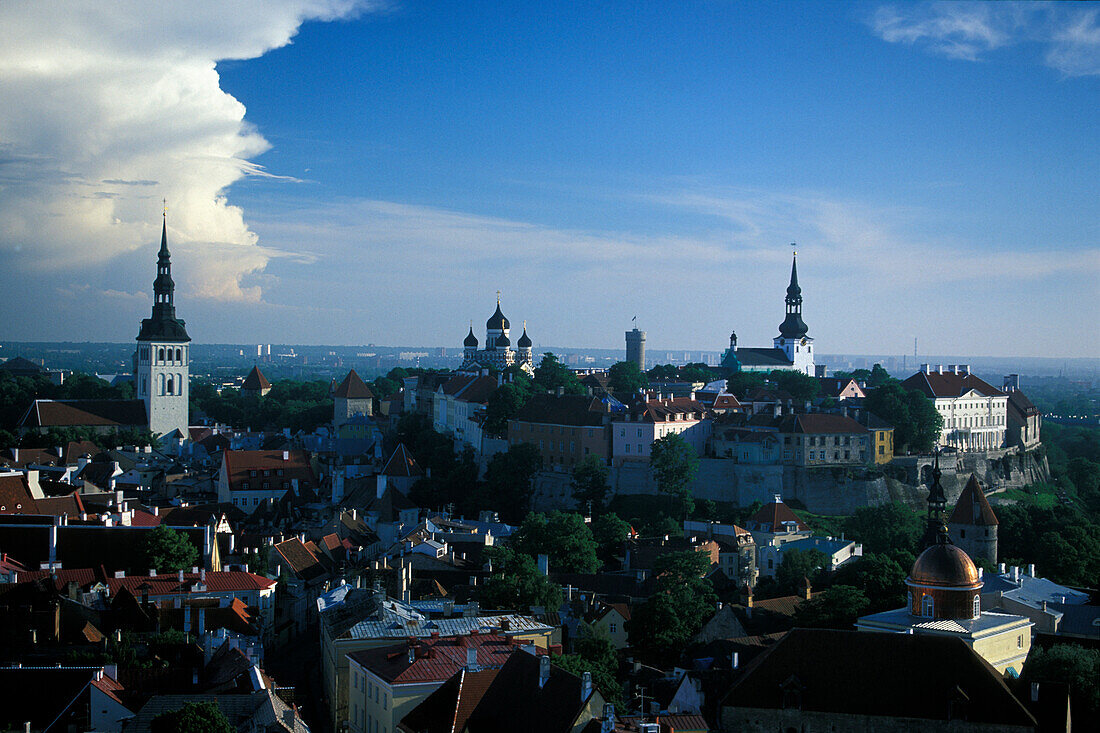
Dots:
pixel 470 388
pixel 762 357
pixel 255 381
pixel 353 388
pixel 833 386
pixel 972 507
pixel 524 340
pixel 447 709
pixel 773 515
pixel 470 342
pixel 15 495
pixel 402 464
pixel 239 465
pixel 1019 401
pixel 39 694
pixel 860 673
pixel 497 321
pixel 514 695
pixel 300 559
pixel 63 413
pixel 434 659
pixel 163 325
pixel 18 365
pixel 663 410
pixel 552 409
pixel 950 384
pixel 819 422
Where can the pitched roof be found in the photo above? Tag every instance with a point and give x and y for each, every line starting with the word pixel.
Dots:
pixel 818 423
pixel 15 495
pixel 972 507
pixel 63 413
pixel 470 388
pixel 663 410
pixel 447 709
pixel 353 388
pixel 1019 401
pixel 515 695
pixel 915 676
pixel 950 384
pixel 300 558
pixel 240 464
pixel 255 381
pixel 20 364
pixel 402 464
pixel 762 357
pixel 834 386
pixel 772 516
pixel 570 409
pixel 434 659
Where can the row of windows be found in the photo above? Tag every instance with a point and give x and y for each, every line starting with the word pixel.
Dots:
pixel 532 428
pixel 267 472
pixel 266 485
pixel 982 421
pixel 928 608
pixel 164 355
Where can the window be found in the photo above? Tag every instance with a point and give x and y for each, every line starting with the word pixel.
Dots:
pixel 771 563
pixel 1020 641
pixel 160 354
pixel 612 628
pixel 244 485
pixel 977 606
pixel 627 446
pixel 962 534
pixel 622 432
pixel 927 606
pixel 255 501
pixel 639 432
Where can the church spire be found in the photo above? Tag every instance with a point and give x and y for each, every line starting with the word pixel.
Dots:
pixel 936 531
pixel 163 325
pixel 793 326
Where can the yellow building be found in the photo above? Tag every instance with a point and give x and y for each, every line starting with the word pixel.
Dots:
pixel 610 620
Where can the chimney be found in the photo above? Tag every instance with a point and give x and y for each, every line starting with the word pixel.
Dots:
pixel 926 368
pixel 586 684
pixel 1031 570
pixel 544 671
pixel 939 368
pixel 201 627
pixel 152 572
pixel 561 391
pixel 735 660
pixel 202 575
pixel 807 590
pixel 181 576
pixel 471 659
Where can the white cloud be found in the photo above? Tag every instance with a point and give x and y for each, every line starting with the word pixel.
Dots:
pixel 971 30
pixel 109 107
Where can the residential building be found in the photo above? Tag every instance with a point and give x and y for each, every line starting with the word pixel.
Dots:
pixel 975 414
pixel 460 403
pixel 747 445
pixel 653 417
pixel 1053 608
pixel 837 552
pixel 162 359
pixel 737 551
pixel 565 428
pixel 881 434
pixel 820 439
pixel 776 524
pixel 823 679
pixel 609 619
pixel 249 477
pixel 387 682
pixel 839 388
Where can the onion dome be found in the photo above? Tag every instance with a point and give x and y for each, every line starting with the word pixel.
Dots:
pixel 497 321
pixel 524 340
pixel 470 342
pixel 503 341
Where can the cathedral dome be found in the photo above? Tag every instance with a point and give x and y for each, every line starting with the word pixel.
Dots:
pixel 524 340
pixel 470 341
pixel 497 321
pixel 946 566
pixel 503 341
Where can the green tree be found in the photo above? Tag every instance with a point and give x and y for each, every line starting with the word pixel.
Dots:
pixel 193 717
pixel 880 577
pixel 916 421
pixel 563 536
pixel 504 404
pixel 551 374
pixel 610 533
pixel 516 582
pixel 1075 666
pixel 696 371
pixel 878 377
pixel 167 550
pixel 885 528
pixel 682 600
pixel 508 480
pixel 837 608
pixel 739 384
pixel 800 386
pixel 674 465
pixel 602 679
pixel 663 372
pixel 626 376
pixel 797 566
pixel 589 483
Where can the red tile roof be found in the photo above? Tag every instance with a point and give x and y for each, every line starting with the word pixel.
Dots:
pixel 972 507
pixel 771 517
pixel 239 465
pixel 950 384
pixel 15 495
pixel 435 659
pixel 144 519
pixel 353 388
pixel 300 558
pixel 255 381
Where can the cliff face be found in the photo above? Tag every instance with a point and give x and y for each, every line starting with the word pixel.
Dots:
pixel 842 490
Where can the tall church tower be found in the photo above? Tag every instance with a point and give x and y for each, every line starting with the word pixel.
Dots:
pixel 161 376
pixel 792 338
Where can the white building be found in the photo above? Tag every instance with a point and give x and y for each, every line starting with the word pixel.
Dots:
pixel 498 352
pixel 161 361
pixel 633 431
pixel 975 414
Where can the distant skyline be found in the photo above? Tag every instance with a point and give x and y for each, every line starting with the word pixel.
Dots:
pixel 350 172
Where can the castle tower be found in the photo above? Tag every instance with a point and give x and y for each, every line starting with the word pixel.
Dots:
pixel 973 524
pixel 792 338
pixel 161 375
pixel 353 397
pixel 635 347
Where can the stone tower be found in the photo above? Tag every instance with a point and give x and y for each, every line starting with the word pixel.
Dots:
pixel 353 397
pixel 635 347
pixel 973 525
pixel 161 375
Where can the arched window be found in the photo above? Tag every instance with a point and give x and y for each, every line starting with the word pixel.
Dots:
pixel 927 606
pixel 977 606
pixel 160 354
pixel 161 384
pixel 170 386
pixel 179 384
pixel 179 354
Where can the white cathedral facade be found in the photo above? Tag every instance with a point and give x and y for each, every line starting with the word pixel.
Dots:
pixel 498 352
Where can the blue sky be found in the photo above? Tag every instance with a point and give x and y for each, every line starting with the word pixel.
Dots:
pixel 376 172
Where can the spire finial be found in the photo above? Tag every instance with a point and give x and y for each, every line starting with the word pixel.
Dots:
pixel 165 202
pixel 498 297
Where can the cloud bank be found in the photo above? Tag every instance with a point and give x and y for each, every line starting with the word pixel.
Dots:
pixel 110 107
pixel 1069 33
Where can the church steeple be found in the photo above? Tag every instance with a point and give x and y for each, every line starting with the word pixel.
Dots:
pixel 163 325
pixel 793 327
pixel 936 530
